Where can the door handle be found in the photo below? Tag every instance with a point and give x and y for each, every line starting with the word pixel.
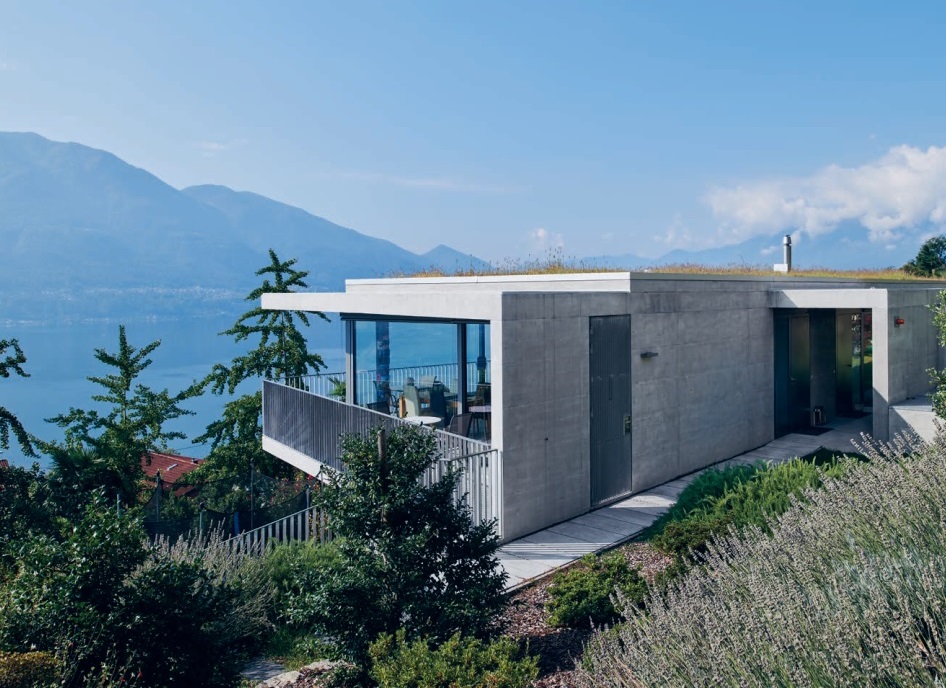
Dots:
pixel 627 424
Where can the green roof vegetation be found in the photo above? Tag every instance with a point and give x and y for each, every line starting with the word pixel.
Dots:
pixel 564 266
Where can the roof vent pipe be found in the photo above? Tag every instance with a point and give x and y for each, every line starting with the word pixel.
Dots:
pixel 786 264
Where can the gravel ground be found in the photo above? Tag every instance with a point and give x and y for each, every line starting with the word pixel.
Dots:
pixel 560 649
pixel 526 621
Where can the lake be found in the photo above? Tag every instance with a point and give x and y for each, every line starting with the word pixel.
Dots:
pixel 60 359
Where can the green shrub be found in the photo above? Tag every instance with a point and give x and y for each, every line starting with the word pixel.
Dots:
pixel 410 556
pixel 294 648
pixel 707 486
pixel 113 609
pixel 690 536
pixel 27 669
pixel 584 592
pixel 174 637
pixel 26 507
pixel 771 491
pixel 460 662
pixel 288 565
pixel 748 498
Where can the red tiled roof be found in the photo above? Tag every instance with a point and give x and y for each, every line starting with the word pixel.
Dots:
pixel 173 467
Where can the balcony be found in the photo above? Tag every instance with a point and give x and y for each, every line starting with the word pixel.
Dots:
pixel 304 426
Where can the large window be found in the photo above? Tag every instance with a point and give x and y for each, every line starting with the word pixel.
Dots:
pixel 412 368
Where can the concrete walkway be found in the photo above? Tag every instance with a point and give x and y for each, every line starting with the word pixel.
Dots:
pixel 541 553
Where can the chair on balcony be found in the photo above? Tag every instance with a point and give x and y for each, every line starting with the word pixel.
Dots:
pixel 438 403
pixel 460 424
pixel 410 401
pixel 481 408
pixel 386 402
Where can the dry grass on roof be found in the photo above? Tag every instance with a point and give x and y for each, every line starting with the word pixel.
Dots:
pixel 559 265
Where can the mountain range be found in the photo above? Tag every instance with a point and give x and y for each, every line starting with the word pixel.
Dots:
pixel 846 248
pixel 83 234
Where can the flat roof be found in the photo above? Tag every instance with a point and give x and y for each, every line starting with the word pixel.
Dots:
pixel 480 297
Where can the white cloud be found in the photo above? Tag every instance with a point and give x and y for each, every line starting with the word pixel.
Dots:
pixel 7 66
pixel 678 234
pixel 212 148
pixel 901 190
pixel 543 239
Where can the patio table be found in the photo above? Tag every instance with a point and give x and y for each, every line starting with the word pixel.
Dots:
pixel 422 420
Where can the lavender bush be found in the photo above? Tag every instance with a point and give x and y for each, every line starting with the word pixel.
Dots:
pixel 849 589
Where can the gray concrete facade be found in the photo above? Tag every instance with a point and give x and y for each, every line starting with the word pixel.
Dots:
pixel 707 394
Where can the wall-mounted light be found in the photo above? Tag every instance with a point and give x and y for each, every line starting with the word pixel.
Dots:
pixel 898 322
pixel 648 354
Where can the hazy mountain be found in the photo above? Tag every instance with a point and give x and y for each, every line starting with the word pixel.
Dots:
pixel 85 234
pixel 847 247
pixel 451 260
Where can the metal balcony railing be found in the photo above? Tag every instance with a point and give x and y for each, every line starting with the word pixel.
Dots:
pixel 314 425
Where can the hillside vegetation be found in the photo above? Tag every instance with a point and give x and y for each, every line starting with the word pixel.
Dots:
pixel 849 588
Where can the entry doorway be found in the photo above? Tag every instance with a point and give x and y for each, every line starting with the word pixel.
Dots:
pixel 823 367
pixel 610 373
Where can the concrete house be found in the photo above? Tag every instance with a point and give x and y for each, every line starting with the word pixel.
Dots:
pixel 558 394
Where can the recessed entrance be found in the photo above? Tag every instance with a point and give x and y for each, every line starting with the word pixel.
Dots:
pixel 823 367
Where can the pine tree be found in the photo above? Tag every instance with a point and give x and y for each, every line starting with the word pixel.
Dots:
pixel 410 556
pixel 9 423
pixel 105 450
pixel 281 353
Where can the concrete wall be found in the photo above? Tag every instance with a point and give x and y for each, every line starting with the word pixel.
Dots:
pixel 545 406
pixel 913 415
pixel 706 396
pixel 913 345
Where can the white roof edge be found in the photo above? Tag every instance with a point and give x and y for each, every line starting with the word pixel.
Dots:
pixel 648 275
pixel 869 297
pixel 492 279
pixel 483 305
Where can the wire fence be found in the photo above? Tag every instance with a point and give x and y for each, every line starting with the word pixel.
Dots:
pixel 232 505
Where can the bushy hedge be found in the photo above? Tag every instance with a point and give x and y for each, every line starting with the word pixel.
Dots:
pixel 708 486
pixel 849 588
pixel 113 609
pixel 289 565
pixel 739 498
pixel 460 662
pixel 583 593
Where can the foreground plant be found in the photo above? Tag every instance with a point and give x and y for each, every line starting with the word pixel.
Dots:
pixel 114 610
pixel 584 593
pixel 409 556
pixel 848 589
pixel 458 663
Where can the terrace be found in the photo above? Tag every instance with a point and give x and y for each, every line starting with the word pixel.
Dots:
pixel 439 380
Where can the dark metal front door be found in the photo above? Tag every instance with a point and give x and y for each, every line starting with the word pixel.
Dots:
pixel 610 369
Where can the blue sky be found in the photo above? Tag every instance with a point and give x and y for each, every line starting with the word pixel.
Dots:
pixel 504 129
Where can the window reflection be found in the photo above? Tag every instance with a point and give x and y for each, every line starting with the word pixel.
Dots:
pixel 411 369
